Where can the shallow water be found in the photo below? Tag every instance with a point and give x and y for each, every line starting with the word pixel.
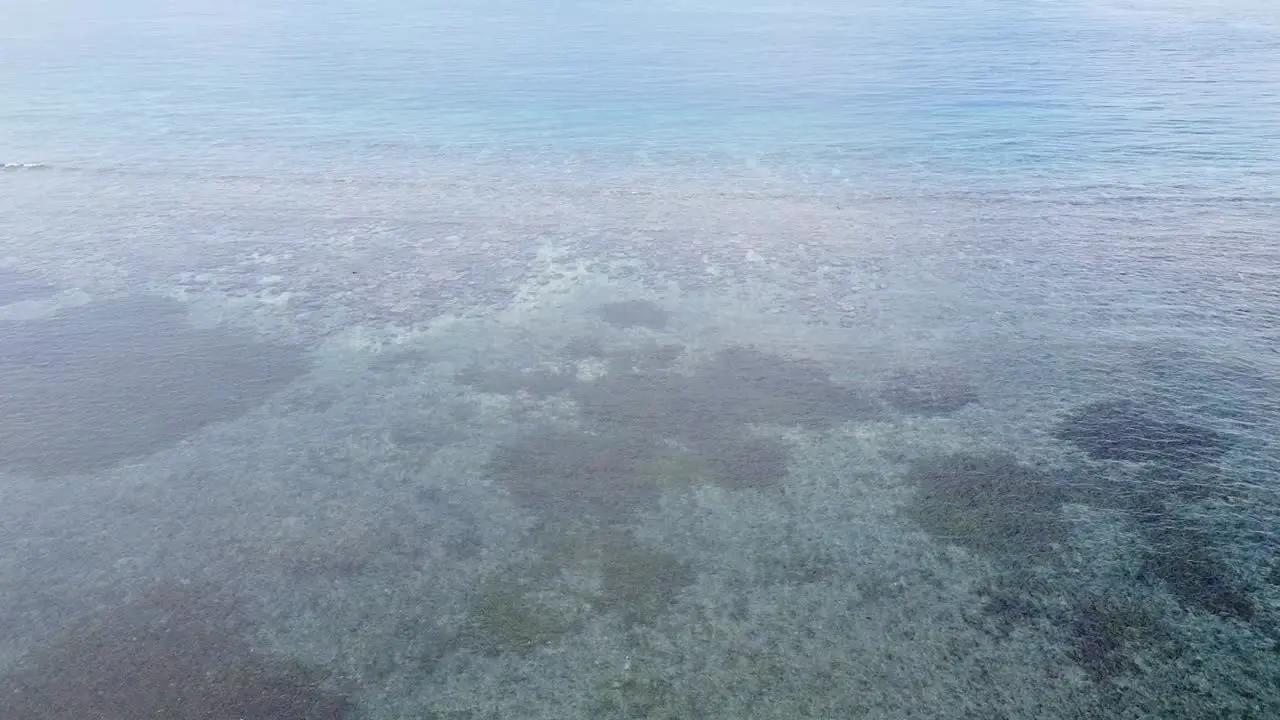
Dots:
pixel 693 359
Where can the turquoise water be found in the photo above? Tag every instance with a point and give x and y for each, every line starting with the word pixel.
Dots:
pixel 640 359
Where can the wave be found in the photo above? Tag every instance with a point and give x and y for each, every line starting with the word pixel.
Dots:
pixel 23 166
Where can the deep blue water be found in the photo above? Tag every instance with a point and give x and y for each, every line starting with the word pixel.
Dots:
pixel 1045 226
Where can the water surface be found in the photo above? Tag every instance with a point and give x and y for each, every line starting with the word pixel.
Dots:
pixel 620 359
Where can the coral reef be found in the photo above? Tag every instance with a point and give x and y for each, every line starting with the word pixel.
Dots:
pixel 1147 492
pixel 1125 430
pixel 118 379
pixel 928 390
pixel 650 358
pixel 745 463
pixel 503 619
pixel 178 654
pixel 642 690
pixel 779 390
pixel 634 313
pixel 1180 559
pixel 1104 631
pixel 633 582
pixel 583 347
pixel 988 503
pixel 577 475
pixel 637 582
pixel 1007 608
pixel 735 387
pixel 646 431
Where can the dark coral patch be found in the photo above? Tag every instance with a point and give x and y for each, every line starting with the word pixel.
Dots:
pixel 639 583
pixel 928 390
pixel 177 655
pixel 736 387
pixel 1104 632
pixel 577 475
pixel 583 347
pixel 118 379
pixel 745 463
pixel 653 405
pixel 786 391
pixel 1181 560
pixel 1125 430
pixel 648 428
pixel 503 619
pixel 1011 599
pixel 634 313
pixel 989 503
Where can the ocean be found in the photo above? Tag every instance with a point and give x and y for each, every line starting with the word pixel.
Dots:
pixel 609 359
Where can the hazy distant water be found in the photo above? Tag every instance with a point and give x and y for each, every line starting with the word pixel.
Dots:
pixel 1161 96
pixel 1056 201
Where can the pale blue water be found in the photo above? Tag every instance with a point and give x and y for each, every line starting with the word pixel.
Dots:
pixel 1028 209
pixel 1162 96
